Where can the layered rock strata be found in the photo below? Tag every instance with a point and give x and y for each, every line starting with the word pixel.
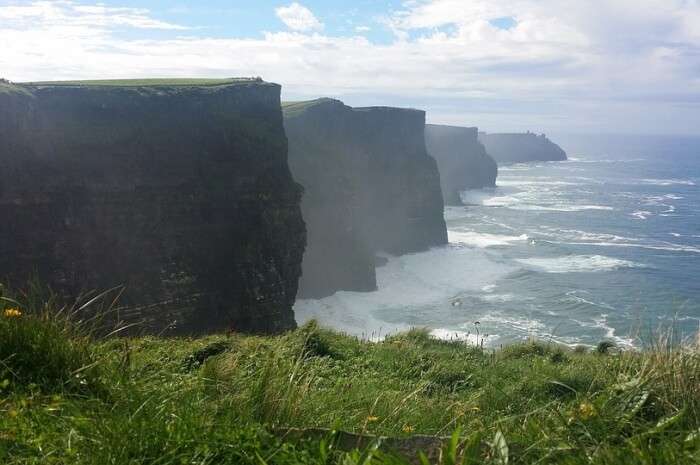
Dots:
pixel 178 190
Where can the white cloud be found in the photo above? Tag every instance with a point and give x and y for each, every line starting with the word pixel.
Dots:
pixel 614 65
pixel 298 18
pixel 362 29
pixel 66 13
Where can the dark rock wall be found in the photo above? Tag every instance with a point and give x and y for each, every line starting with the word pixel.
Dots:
pixel 370 186
pixel 406 209
pixel 520 148
pixel 182 194
pixel 328 159
pixel 462 160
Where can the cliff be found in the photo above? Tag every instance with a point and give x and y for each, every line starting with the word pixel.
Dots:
pixel 369 185
pixel 326 158
pixel 179 190
pixel 462 160
pixel 406 210
pixel 521 148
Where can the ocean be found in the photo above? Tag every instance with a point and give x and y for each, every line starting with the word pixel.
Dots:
pixel 604 246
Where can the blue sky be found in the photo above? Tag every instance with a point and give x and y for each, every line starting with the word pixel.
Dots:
pixel 221 18
pixel 628 66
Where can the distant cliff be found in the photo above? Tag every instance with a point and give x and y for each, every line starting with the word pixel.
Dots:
pixel 179 190
pixel 406 206
pixel 520 148
pixel 370 186
pixel 328 160
pixel 462 160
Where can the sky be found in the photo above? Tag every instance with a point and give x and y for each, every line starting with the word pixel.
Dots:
pixel 576 66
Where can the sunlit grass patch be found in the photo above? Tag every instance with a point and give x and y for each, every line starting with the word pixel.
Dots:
pixel 224 399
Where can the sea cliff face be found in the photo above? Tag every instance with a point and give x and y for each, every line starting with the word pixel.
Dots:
pixel 181 193
pixel 370 186
pixel 521 148
pixel 326 157
pixel 462 160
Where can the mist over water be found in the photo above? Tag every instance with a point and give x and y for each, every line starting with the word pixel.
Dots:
pixel 603 246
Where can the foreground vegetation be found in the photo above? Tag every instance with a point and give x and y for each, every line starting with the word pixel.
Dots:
pixel 67 397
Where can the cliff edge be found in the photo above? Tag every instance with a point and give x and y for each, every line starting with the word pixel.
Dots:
pixel 521 148
pixel 177 189
pixel 462 160
pixel 370 186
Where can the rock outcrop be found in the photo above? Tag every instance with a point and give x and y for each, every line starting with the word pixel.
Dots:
pixel 370 186
pixel 178 190
pixel 521 148
pixel 462 160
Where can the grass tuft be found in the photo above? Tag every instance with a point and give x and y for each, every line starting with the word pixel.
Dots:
pixel 225 399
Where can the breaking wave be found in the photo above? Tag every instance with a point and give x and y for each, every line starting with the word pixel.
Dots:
pixel 577 264
pixel 483 240
pixel 667 182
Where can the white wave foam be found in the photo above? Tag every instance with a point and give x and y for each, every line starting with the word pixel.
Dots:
pixel 456 213
pixel 498 298
pixel 521 325
pixel 661 201
pixel 575 234
pixel 500 201
pixel 462 336
pixel 477 197
pixel 577 264
pixel 526 202
pixel 577 237
pixel 562 208
pixel 610 160
pixel 515 182
pixel 575 297
pixel 641 214
pixel 662 245
pixel 667 182
pixel 482 240
pixel 407 285
pixel 516 167
pixel 601 322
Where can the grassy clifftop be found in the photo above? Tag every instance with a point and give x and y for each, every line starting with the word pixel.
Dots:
pixel 163 82
pixel 8 88
pixel 232 399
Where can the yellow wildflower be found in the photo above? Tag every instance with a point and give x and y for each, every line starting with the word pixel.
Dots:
pixel 371 418
pixel 586 410
pixel 12 313
pixel 407 429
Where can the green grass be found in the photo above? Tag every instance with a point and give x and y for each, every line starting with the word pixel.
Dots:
pixel 162 82
pixel 9 88
pixel 292 109
pixel 66 397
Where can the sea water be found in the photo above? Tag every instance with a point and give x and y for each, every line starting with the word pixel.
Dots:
pixel 605 246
